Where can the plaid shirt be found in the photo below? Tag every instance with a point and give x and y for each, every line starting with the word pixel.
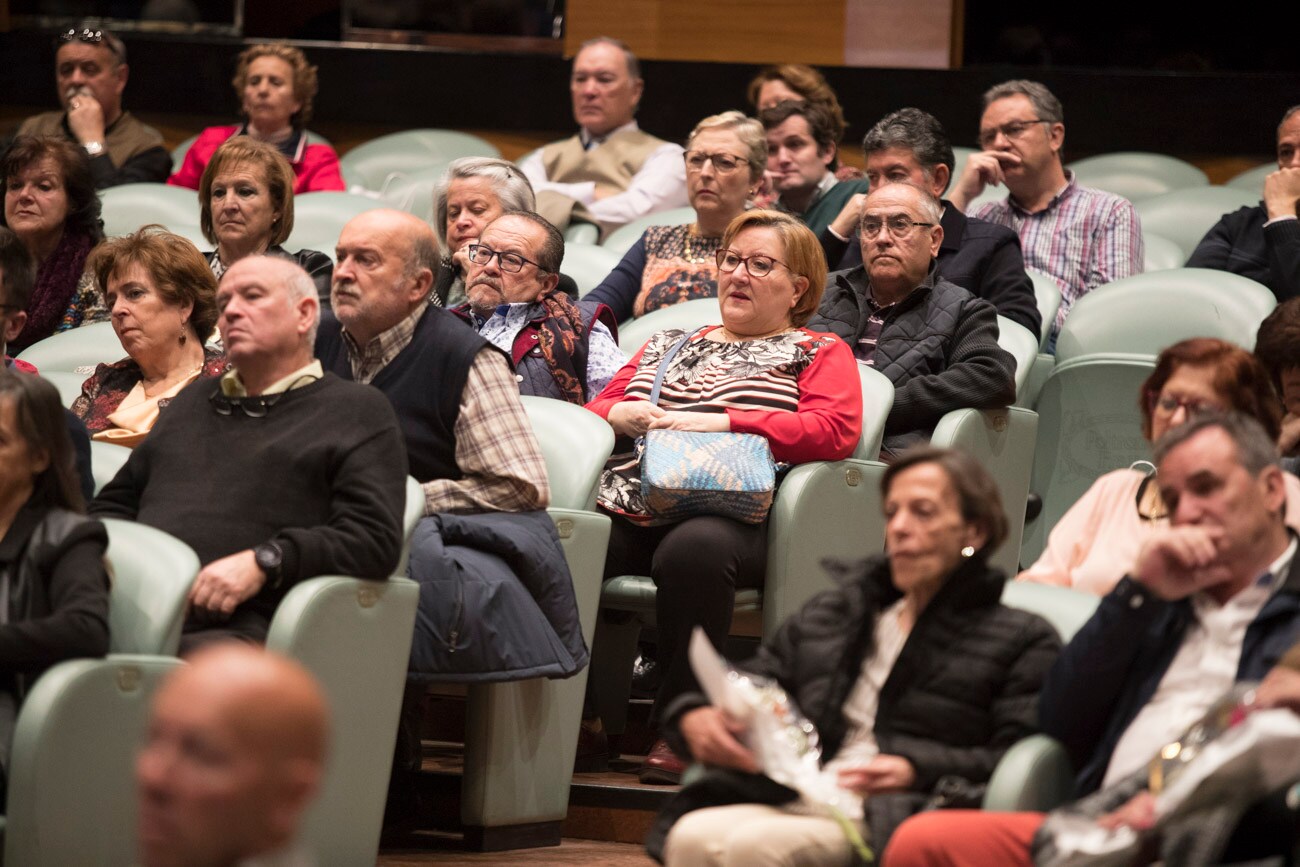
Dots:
pixel 501 462
pixel 1083 239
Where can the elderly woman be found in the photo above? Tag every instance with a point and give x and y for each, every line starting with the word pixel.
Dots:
pixel 51 556
pixel 758 372
pixel 162 297
pixel 1277 346
pixel 910 669
pixel 725 158
pixel 50 203
pixel 275 85
pixel 246 209
pixel 1098 539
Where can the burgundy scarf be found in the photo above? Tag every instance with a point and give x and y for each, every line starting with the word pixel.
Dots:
pixel 56 284
pixel 561 334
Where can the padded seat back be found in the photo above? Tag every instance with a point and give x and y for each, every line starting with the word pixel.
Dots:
pixel 1067 610
pixel 1137 175
pixel 588 265
pixel 1184 216
pixel 152 572
pixel 1047 292
pixel 688 315
pixel 576 444
pixel 381 161
pixel 83 347
pixel 127 207
pixel 318 218
pixel 1023 346
pixel 1161 254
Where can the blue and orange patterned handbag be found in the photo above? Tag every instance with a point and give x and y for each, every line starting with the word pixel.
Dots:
pixel 689 473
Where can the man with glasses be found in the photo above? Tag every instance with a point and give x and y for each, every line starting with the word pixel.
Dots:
pixel 275 473
pixel 90 72
pixel 802 155
pixel 1081 237
pixel 560 349
pixel 1262 241
pixel 911 146
pixel 611 172
pixel 935 341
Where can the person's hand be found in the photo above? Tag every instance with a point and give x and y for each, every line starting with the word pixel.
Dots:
pixel 225 583
pixel 1139 814
pixel 846 222
pixel 460 259
pixel 1280 688
pixel 1281 192
pixel 982 169
pixel 632 418
pixel 1175 562
pixel 881 774
pixel 711 735
pixel 1290 437
pixel 86 117
pixel 699 422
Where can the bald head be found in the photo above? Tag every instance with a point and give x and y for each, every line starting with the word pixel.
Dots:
pixel 387 263
pixel 235 753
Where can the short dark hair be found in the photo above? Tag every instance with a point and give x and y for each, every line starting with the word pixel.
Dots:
pixel 977 492
pixel 917 131
pixel 74 169
pixel 1277 343
pixel 1256 450
pixel 551 256
pixel 821 125
pixel 17 271
pixel 39 417
pixel 1239 378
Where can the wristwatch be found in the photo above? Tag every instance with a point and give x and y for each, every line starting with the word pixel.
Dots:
pixel 94 148
pixel 270 557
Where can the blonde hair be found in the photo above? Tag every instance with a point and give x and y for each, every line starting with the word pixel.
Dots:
pixel 747 129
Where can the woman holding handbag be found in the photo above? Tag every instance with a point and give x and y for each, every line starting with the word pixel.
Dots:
pixel 760 373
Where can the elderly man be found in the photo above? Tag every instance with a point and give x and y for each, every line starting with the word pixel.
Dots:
pixel 1213 599
pixel 802 155
pixel 234 755
pixel 1081 237
pixel 610 172
pixel 90 71
pixel 935 341
pixel 471 446
pixel 560 348
pixel 910 145
pixel 275 473
pixel 1263 242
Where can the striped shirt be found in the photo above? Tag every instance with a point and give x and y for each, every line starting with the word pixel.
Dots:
pixel 1083 239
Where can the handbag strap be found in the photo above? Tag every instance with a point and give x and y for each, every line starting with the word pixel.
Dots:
pixel 668 357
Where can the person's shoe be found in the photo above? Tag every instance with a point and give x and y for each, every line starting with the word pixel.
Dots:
pixel 662 766
pixel 593 749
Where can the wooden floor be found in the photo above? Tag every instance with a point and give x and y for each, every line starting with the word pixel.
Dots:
pixel 570 852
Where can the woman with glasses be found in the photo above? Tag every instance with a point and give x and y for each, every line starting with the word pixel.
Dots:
pixel 725 158
pixel 162 298
pixel 758 372
pixel 50 203
pixel 1098 539
pixel 275 86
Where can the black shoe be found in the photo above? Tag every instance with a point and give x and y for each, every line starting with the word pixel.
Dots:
pixel 593 750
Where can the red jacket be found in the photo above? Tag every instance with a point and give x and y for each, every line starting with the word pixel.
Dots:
pixel 316 165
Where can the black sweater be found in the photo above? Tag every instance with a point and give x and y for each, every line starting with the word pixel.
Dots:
pixel 323 474
pixel 1242 244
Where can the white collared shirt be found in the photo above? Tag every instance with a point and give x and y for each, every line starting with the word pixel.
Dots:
pixel 1204 668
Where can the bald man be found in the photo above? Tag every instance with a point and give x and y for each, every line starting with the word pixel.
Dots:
pixel 275 473
pixel 235 754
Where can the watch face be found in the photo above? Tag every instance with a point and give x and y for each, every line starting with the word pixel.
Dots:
pixel 94 148
pixel 268 557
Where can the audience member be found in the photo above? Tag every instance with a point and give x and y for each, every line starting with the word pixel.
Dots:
pixel 802 156
pixel 235 753
pixel 246 209
pixel 1210 600
pixel 50 203
pixel 1262 242
pixel 1277 346
pixel 610 172
pixel 761 372
pixel 275 473
pixel 559 348
pixel 1081 237
pixel 910 145
pixel 90 72
pixel 924 618
pixel 162 298
pixel 935 341
pixel 725 158
pixel 275 85
pixel 55 603
pixel 17 275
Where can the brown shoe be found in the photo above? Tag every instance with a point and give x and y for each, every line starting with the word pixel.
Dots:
pixel 662 766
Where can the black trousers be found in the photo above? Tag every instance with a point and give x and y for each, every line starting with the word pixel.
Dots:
pixel 697 565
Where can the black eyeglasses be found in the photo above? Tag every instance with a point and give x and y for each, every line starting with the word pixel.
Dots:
pixel 253 407
pixel 511 263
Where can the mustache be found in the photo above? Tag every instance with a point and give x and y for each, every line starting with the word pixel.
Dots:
pixel 486 280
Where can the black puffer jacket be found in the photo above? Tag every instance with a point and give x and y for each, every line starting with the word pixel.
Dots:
pixel 939 347
pixel 963 690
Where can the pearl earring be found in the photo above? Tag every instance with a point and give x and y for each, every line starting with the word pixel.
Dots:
pixel 968 551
